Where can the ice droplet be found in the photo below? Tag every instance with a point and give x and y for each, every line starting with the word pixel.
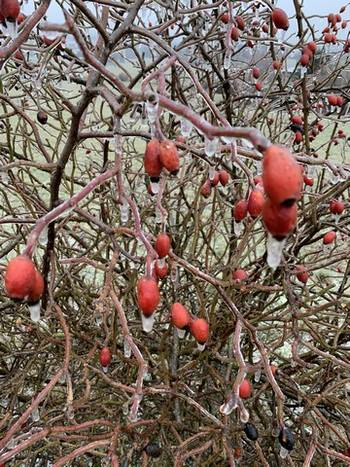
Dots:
pixel 227 58
pixel 244 415
pixel 274 251
pixel 200 347
pixel 127 349
pixel 98 319
pixel 147 322
pixel 302 72
pixel 35 415
pixel 282 35
pixel 35 312
pixel 186 127
pixel 210 146
pixel 336 218
pixel 229 405
pixel 155 187
pixel 62 378
pixel 181 333
pixel 238 228
pixel 105 369
pixel 257 376
pixel 43 236
pixel 283 452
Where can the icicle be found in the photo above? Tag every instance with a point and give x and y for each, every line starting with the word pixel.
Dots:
pixel 35 312
pixel 11 29
pixel 274 251
pixel 302 72
pixel 127 349
pixel 210 146
pixel 147 322
pixel 124 211
pixel 336 218
pixel 227 58
pixel 284 452
pixel 186 127
pixel 155 187
pixel 181 333
pixel 244 414
pixel 35 415
pixel 229 405
pixel 282 35
pixel 200 347
pixel 257 376
pixel 212 172
pixel 238 228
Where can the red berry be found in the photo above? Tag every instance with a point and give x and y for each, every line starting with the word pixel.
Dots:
pixel 297 120
pixel 20 277
pixel 276 64
pixel 225 17
pixel 215 180
pixel 105 356
pixel 162 245
pixel 169 156
pixel 302 274
pixel 38 288
pixel 336 206
pixel 148 296
pixel 235 33
pixel 258 86
pixel 279 220
pixel 10 9
pixel 340 101
pixel 199 329
pixel 309 181
pixel 206 189
pixel 304 60
pixel 239 275
pixel 298 138
pixel 161 270
pixel 256 72
pixel 224 177
pixel 240 210
pixel 332 100
pixel 255 203
pixel 245 389
pixel 329 237
pixel 280 19
pixel 240 22
pixel 281 175
pixel 180 317
pixel 312 46
pixel 152 163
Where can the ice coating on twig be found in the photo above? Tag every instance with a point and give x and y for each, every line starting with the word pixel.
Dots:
pixel 35 415
pixel 127 349
pixel 238 228
pixel 274 251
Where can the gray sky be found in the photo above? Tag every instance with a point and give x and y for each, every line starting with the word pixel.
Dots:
pixel 313 8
